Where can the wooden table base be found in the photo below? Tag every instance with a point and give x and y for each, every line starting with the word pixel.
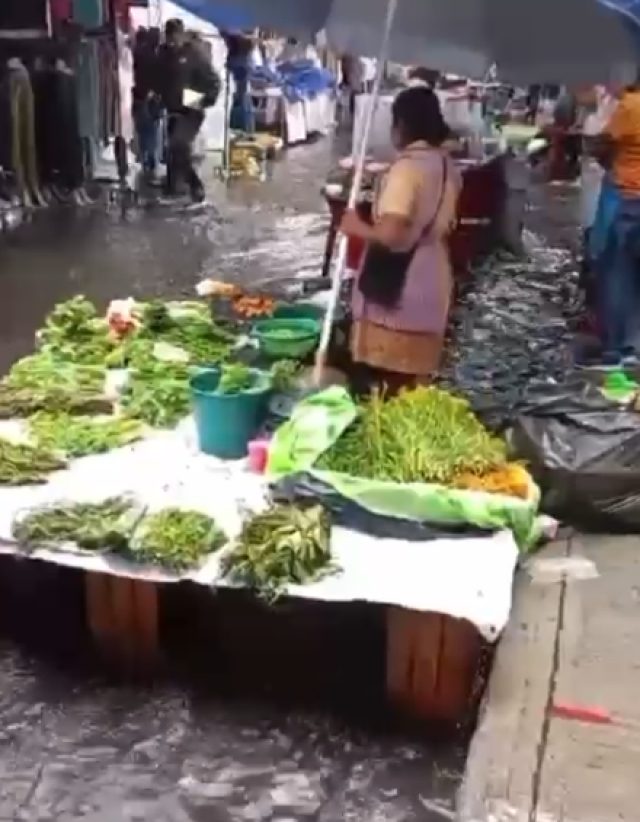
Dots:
pixel 122 615
pixel 432 664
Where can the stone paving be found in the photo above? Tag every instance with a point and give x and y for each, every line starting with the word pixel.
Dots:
pixel 559 738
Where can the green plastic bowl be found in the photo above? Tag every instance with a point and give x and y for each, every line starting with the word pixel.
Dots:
pixel 299 311
pixel 287 338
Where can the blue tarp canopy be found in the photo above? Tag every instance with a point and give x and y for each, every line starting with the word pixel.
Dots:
pixel 221 15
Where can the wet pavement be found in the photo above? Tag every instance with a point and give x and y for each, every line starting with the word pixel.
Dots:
pixel 71 749
pixel 255 232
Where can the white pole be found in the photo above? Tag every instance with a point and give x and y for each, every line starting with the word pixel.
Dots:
pixel 359 160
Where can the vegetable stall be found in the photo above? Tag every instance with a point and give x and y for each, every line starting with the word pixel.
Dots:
pixel 128 446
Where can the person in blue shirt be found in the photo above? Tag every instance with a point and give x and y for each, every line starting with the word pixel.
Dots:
pixel 239 50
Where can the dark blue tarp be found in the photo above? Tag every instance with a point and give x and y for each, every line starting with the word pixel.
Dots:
pixel 221 15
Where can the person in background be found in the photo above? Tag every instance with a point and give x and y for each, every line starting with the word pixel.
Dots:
pixel 565 123
pixel 401 343
pixel 188 85
pixel 599 106
pixel 239 50
pixel 615 235
pixel 352 71
pixel 147 106
pixel 421 76
pixel 534 93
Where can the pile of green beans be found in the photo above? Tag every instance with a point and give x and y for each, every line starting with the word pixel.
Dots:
pixel 421 435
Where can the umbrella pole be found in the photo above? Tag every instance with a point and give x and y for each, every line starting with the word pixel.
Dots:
pixel 359 159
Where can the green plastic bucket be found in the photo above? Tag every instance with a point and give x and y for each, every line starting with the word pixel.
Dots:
pixel 226 423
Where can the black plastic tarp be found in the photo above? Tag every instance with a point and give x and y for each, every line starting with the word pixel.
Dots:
pixel 584 452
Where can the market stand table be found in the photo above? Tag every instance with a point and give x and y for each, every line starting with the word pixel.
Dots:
pixel 437 620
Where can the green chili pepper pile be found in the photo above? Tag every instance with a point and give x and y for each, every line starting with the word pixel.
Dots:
pixel 91 526
pixel 422 435
pixel 175 538
pixel 25 464
pixel 283 546
pixel 82 436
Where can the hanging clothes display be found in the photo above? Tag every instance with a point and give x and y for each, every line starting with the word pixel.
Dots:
pixel 88 13
pixel 24 161
pixel 87 72
pixel 66 75
pixel 60 149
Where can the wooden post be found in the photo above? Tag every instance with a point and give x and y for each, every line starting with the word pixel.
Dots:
pixel 431 664
pixel 122 615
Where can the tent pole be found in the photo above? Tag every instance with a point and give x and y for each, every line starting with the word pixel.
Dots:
pixel 359 160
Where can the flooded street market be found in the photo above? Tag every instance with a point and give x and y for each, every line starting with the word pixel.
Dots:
pixel 74 750
pixel 319 411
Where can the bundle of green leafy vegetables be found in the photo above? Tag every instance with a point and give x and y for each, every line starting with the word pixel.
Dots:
pixel 158 394
pixel 285 545
pixel 22 464
pixel 77 436
pixel 41 382
pixel 75 332
pixel 96 526
pixel 175 538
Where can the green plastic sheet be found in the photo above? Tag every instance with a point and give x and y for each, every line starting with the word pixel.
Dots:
pixel 318 421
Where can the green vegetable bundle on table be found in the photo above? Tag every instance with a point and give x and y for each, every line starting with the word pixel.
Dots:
pixel 285 545
pixel 175 538
pixel 22 464
pixel 77 436
pixel 424 435
pixel 91 526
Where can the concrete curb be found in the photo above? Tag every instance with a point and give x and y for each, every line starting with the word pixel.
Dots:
pixel 505 758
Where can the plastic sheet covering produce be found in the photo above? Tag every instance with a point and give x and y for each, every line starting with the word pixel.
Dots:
pixel 318 422
pixel 514 326
pixel 584 451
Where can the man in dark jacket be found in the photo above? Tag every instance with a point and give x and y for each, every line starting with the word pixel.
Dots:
pixel 147 107
pixel 188 85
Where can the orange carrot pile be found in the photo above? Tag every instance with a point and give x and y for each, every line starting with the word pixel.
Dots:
pixel 254 306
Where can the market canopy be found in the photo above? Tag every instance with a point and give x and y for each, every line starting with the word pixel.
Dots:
pixel 565 41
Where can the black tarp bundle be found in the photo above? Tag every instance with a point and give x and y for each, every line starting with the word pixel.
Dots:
pixel 584 452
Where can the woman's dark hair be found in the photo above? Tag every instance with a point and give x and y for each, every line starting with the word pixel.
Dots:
pixel 416 115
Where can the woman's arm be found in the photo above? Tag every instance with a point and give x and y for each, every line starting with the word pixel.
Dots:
pixel 396 209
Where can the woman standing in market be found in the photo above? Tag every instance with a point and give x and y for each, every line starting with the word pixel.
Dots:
pixel 615 235
pixel 402 293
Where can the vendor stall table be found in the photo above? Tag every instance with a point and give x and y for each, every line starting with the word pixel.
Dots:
pixel 432 660
pixel 430 624
pixel 295 121
pixel 481 206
